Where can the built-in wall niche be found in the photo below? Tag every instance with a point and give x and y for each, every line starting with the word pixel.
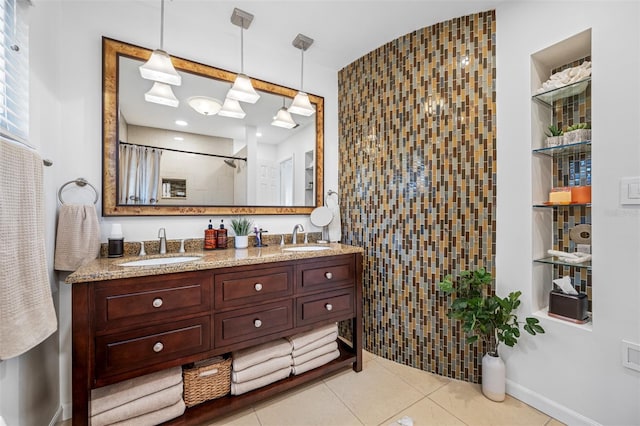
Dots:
pixel 174 188
pixel 562 163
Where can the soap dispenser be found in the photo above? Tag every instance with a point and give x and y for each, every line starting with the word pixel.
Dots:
pixel 222 236
pixel 210 237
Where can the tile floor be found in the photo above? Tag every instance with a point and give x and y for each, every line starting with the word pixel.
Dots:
pixel 383 393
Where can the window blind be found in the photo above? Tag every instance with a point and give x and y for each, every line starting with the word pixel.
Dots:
pixel 14 70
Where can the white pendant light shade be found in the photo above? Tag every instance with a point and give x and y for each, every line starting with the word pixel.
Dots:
pixel 159 68
pixel 161 94
pixel 301 105
pixel 283 119
pixel 243 90
pixel 231 108
pixel 205 105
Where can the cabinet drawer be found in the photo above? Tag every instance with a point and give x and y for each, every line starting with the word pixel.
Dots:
pixel 250 323
pixel 319 307
pixel 119 352
pixel 325 275
pixel 242 288
pixel 128 302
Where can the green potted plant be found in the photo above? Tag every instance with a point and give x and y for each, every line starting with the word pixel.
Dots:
pixel 241 227
pixel 579 132
pixel 554 136
pixel 488 318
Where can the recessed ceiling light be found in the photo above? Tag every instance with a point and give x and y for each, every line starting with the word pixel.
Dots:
pixel 178 138
pixel 258 134
pixel 181 123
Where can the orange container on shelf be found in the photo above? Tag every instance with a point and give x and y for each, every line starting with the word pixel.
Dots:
pixel 581 194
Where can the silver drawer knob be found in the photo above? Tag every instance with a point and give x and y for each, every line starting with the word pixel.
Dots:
pixel 257 323
pixel 328 307
pixel 157 302
pixel 328 275
pixel 258 286
pixel 158 347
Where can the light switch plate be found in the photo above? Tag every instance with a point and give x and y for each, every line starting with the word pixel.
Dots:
pixel 631 355
pixel 630 191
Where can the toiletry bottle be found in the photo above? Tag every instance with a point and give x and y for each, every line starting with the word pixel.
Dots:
pixel 116 241
pixel 222 236
pixel 210 237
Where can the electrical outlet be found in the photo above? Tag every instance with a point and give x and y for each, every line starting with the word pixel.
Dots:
pixel 631 355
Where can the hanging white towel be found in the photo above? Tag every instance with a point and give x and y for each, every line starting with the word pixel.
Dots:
pixel 27 315
pixel 77 238
pixel 335 226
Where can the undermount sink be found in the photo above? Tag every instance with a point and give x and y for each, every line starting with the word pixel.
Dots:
pixel 307 248
pixel 160 261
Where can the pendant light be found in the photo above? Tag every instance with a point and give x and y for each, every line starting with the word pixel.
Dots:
pixel 242 89
pixel 301 104
pixel 283 118
pixel 159 66
pixel 231 108
pixel 162 94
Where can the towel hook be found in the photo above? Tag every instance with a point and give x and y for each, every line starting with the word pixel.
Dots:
pixel 81 182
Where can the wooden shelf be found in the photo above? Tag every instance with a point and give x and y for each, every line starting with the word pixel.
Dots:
pixel 211 410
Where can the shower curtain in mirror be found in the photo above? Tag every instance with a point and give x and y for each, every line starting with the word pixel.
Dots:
pixel 139 174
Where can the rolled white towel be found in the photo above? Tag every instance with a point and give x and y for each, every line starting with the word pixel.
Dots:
pixel 301 359
pixel 315 344
pixel 254 355
pixel 315 363
pixel 240 388
pixel 302 339
pixel 262 369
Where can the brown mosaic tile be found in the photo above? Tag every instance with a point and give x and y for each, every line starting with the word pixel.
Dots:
pixel 417 171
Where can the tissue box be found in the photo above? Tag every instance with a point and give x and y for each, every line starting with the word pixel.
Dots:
pixel 569 307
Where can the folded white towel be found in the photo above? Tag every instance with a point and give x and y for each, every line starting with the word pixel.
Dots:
pixel 240 388
pixel 302 339
pixel 254 355
pixel 108 397
pixel 316 344
pixel 330 347
pixel 315 363
pixel 262 369
pixel 156 417
pixel 147 404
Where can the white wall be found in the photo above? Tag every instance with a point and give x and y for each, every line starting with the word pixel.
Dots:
pixel 67 36
pixel 574 375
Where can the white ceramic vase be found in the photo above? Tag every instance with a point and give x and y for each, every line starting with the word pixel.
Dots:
pixel 241 241
pixel 494 377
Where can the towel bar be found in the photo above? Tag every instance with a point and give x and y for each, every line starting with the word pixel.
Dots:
pixel 80 182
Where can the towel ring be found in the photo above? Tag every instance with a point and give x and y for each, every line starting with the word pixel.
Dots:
pixel 81 182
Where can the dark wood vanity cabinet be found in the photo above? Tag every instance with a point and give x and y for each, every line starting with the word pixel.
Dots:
pixel 124 328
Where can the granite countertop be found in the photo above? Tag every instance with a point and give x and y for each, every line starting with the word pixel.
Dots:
pixel 103 269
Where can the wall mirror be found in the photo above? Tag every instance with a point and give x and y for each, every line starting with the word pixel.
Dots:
pixel 212 165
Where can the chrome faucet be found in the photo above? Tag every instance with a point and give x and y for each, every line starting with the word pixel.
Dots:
pixel 296 228
pixel 163 241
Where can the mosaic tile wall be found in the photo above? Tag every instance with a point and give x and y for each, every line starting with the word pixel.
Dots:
pixel 417 178
pixel 572 170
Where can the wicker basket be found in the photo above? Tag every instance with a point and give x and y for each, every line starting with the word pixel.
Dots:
pixel 207 380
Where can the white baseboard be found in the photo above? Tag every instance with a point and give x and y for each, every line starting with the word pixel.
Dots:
pixel 56 417
pixel 66 411
pixel 548 406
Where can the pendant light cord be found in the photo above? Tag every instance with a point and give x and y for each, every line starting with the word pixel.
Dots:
pixel 162 25
pixel 242 47
pixel 302 70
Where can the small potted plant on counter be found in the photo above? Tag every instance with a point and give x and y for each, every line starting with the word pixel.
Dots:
pixel 554 136
pixel 487 317
pixel 241 226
